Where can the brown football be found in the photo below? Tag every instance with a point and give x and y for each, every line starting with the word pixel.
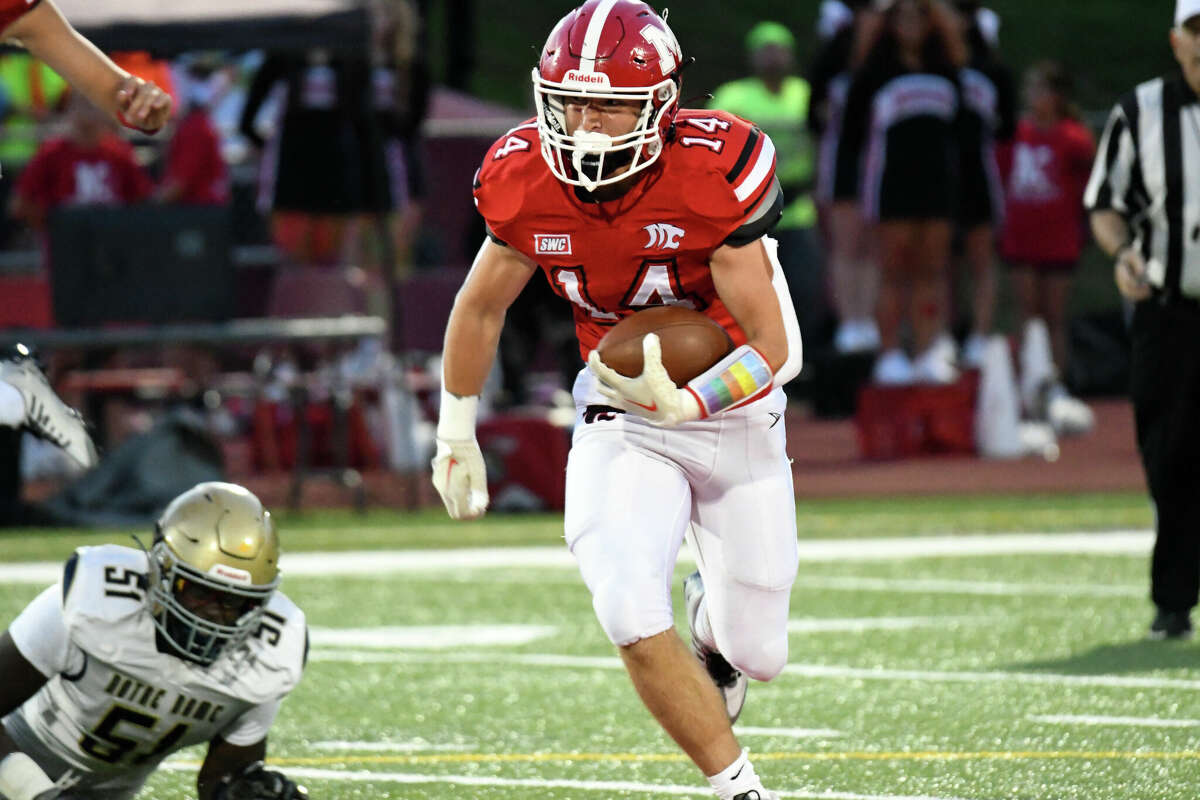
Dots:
pixel 691 342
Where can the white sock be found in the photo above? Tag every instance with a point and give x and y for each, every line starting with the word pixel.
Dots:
pixel 12 406
pixel 737 778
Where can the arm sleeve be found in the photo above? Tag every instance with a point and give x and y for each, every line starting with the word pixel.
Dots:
pixel 1115 170
pixel 252 726
pixel 40 633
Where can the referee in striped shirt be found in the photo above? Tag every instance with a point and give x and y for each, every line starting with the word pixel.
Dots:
pixel 1144 199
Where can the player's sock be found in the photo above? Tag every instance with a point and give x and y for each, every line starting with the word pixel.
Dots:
pixel 737 778
pixel 12 406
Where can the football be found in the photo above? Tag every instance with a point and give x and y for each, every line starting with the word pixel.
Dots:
pixel 691 342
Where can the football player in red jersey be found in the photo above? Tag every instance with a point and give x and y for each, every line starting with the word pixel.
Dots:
pixel 40 27
pixel 624 201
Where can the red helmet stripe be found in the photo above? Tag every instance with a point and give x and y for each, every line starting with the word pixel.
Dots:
pixel 591 39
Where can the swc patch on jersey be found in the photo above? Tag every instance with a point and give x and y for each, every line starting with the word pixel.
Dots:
pixel 552 244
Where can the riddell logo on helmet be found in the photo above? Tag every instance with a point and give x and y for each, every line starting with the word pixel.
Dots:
pixel 586 78
pixel 232 574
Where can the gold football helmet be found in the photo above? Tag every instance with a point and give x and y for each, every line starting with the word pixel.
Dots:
pixel 213 566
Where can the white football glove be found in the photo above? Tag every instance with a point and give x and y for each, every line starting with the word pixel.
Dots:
pixel 460 477
pixel 652 395
pixel 459 474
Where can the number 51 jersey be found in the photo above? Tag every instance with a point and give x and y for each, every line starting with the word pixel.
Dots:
pixel 114 704
pixel 714 184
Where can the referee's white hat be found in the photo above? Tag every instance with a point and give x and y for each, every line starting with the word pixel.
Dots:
pixel 1185 10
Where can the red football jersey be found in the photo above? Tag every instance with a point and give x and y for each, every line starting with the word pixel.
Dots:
pixel 10 10
pixel 651 246
pixel 1044 183
pixel 63 173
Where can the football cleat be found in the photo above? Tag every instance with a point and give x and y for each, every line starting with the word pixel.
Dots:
pixel 730 682
pixel 755 794
pixel 46 415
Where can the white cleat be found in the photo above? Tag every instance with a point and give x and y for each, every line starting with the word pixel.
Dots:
pixel 755 794
pixel 730 682
pixel 46 415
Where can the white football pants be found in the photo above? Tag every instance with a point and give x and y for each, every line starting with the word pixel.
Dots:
pixel 635 489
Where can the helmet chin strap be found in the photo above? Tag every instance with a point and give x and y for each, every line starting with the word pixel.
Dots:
pixel 589 143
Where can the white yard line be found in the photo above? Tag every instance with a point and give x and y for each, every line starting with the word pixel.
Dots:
pixel 384 562
pixel 862 624
pixel 365 776
pixel 430 637
pixel 409 746
pixel 1143 722
pixel 940 586
pixel 802 670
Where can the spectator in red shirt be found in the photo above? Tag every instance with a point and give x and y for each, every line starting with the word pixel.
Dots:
pixel 1044 227
pixel 195 172
pixel 90 165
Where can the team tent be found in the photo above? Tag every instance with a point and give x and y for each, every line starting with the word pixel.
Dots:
pixel 169 27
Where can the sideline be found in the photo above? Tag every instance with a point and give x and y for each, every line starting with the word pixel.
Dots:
pixel 384 562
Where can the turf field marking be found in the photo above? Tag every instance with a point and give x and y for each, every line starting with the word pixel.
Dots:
pixel 409 746
pixel 365 776
pixel 862 624
pixel 803 670
pixel 927 586
pixel 382 562
pixel 1147 722
pixel 787 733
pixel 430 637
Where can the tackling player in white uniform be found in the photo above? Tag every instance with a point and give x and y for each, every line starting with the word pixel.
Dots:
pixel 134 655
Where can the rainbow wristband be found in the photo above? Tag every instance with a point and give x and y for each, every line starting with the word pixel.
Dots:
pixel 736 379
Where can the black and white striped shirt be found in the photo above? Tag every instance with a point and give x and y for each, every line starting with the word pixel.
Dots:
pixel 1148 170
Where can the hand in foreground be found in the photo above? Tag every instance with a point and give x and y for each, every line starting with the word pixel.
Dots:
pixel 1130 273
pixel 652 395
pixel 460 477
pixel 142 105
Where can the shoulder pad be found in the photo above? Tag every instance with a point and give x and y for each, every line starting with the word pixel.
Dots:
pixel 735 158
pixel 104 596
pixel 278 653
pixel 507 168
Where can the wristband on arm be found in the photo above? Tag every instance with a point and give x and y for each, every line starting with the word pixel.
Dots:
pixel 739 378
pixel 456 417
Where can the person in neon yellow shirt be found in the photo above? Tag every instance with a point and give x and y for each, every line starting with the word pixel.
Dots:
pixel 777 101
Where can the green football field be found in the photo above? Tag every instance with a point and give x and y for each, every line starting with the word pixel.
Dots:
pixel 978 648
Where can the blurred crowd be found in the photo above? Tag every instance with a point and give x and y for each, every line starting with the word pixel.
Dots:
pixel 912 159
pixel 323 144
